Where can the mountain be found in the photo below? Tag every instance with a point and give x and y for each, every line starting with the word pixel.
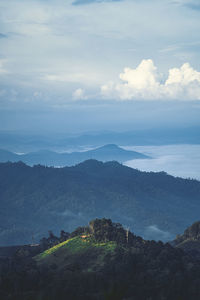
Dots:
pixel 112 152
pixel 98 262
pixel 19 141
pixel 8 156
pixel 49 158
pixel 189 241
pixel 37 199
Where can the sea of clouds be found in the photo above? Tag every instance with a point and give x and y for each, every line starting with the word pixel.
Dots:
pixel 177 160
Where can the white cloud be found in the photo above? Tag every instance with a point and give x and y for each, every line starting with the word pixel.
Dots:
pixel 85 77
pixel 145 82
pixel 184 76
pixel 79 94
pixel 68 45
pixel 144 76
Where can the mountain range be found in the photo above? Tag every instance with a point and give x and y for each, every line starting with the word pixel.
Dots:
pixel 49 158
pixel 37 199
pixel 22 141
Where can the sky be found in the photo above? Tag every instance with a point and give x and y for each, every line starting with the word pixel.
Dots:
pixel 79 65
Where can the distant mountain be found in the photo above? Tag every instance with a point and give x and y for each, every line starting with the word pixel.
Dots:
pixel 49 158
pixel 8 156
pixel 101 261
pixel 189 241
pixel 37 199
pixel 25 141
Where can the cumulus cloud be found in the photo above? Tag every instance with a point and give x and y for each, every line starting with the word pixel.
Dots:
pixel 79 94
pixel 145 82
pixel 144 76
pixel 184 76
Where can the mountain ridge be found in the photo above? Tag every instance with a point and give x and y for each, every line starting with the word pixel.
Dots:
pixel 156 205
pixel 25 141
pixel 46 157
pixel 189 241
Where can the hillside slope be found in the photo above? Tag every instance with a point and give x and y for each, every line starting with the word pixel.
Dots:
pixel 189 241
pixel 37 199
pixel 98 262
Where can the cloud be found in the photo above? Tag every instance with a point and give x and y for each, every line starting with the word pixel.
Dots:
pixel 2 36
pixel 145 82
pixel 79 94
pixel 83 2
pixel 86 77
pixel 192 4
pixel 79 48
pixel 153 232
pixel 177 160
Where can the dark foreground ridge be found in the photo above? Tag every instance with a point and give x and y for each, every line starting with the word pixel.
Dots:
pixel 190 240
pixel 100 261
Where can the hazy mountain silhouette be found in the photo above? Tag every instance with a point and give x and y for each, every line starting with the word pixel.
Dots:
pixel 45 157
pixel 19 141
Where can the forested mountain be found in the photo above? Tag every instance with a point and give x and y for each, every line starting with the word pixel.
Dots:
pixel 189 241
pixel 102 261
pixel 49 158
pixel 36 199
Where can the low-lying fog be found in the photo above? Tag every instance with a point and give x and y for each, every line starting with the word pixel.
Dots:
pixel 177 160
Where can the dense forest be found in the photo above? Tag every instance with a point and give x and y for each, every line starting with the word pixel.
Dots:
pixel 98 262
pixel 36 199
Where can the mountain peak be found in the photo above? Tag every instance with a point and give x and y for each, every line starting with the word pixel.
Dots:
pixel 108 152
pixel 110 146
pixel 89 163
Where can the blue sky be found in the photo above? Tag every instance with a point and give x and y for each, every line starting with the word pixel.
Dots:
pixel 86 61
